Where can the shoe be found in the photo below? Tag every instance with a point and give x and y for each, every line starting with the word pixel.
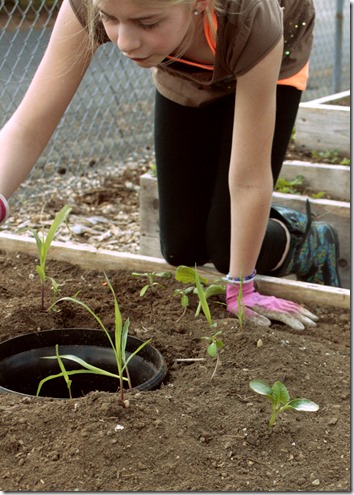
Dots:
pixel 314 248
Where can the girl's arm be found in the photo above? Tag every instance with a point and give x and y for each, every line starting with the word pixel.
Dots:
pixel 250 176
pixel 57 78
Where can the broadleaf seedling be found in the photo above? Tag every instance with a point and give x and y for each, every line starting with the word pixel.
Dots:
pixel 151 280
pixel 118 346
pixel 215 345
pixel 279 396
pixel 43 244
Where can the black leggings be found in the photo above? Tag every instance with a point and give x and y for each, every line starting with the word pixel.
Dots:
pixel 192 147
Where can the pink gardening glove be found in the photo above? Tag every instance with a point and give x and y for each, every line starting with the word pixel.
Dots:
pixel 261 309
pixel 4 209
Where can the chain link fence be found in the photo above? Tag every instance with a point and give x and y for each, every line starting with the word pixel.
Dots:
pixel 111 116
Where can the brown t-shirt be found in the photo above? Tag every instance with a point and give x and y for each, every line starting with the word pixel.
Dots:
pixel 247 32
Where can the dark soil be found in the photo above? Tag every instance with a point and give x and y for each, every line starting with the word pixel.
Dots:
pixel 194 433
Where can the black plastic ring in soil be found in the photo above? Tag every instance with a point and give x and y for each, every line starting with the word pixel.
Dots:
pixel 22 366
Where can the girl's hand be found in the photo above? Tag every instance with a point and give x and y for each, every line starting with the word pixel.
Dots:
pixel 4 209
pixel 261 309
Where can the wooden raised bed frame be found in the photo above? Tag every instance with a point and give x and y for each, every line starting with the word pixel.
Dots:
pixel 336 213
pixel 324 126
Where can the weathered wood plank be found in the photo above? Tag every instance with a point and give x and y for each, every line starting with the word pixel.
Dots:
pixel 331 179
pixel 320 126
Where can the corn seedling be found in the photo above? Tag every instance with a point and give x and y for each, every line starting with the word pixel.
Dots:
pixel 240 305
pixel 43 244
pixel 186 274
pixel 56 292
pixel 118 346
pixel 280 399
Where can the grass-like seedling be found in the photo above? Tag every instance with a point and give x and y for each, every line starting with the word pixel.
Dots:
pixel 279 396
pixel 203 300
pixel 151 276
pixel 186 275
pixel 44 242
pixel 118 346
pixel 240 305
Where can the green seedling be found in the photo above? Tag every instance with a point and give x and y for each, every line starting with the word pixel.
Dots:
pixel 186 274
pixel 290 186
pixel 184 295
pixel 203 300
pixel 152 169
pixel 56 291
pixel 118 346
pixel 240 305
pixel 43 244
pixel 318 195
pixel 214 347
pixel 151 282
pixel 280 399
pixel 330 156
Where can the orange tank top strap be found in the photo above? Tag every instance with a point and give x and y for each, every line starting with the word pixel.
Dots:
pixel 210 35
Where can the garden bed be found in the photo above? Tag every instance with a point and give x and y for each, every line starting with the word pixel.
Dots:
pixel 324 124
pixel 334 212
pixel 195 433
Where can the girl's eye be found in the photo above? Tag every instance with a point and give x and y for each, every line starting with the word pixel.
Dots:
pixel 148 27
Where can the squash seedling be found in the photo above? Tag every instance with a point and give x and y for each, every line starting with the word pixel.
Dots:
pixel 43 244
pixel 279 396
pixel 214 347
pixel 118 346
pixel 184 294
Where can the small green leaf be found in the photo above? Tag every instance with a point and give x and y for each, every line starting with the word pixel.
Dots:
pixel 184 301
pixel 220 344
pixel 186 275
pixel 214 290
pixel 280 393
pixel 143 290
pixel 260 387
pixel 303 405
pixel 212 349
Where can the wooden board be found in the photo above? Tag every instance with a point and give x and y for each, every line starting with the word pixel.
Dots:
pixel 334 180
pixel 323 127
pixel 99 259
pixel 336 213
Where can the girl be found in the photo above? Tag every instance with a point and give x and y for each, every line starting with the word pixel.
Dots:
pixel 229 75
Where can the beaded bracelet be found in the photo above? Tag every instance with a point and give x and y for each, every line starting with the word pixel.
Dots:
pixel 238 280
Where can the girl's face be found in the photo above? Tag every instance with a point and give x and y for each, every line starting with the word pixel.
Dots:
pixel 146 35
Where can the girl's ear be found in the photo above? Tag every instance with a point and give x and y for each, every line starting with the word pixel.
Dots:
pixel 201 5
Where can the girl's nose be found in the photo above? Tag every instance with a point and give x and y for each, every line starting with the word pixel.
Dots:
pixel 127 40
